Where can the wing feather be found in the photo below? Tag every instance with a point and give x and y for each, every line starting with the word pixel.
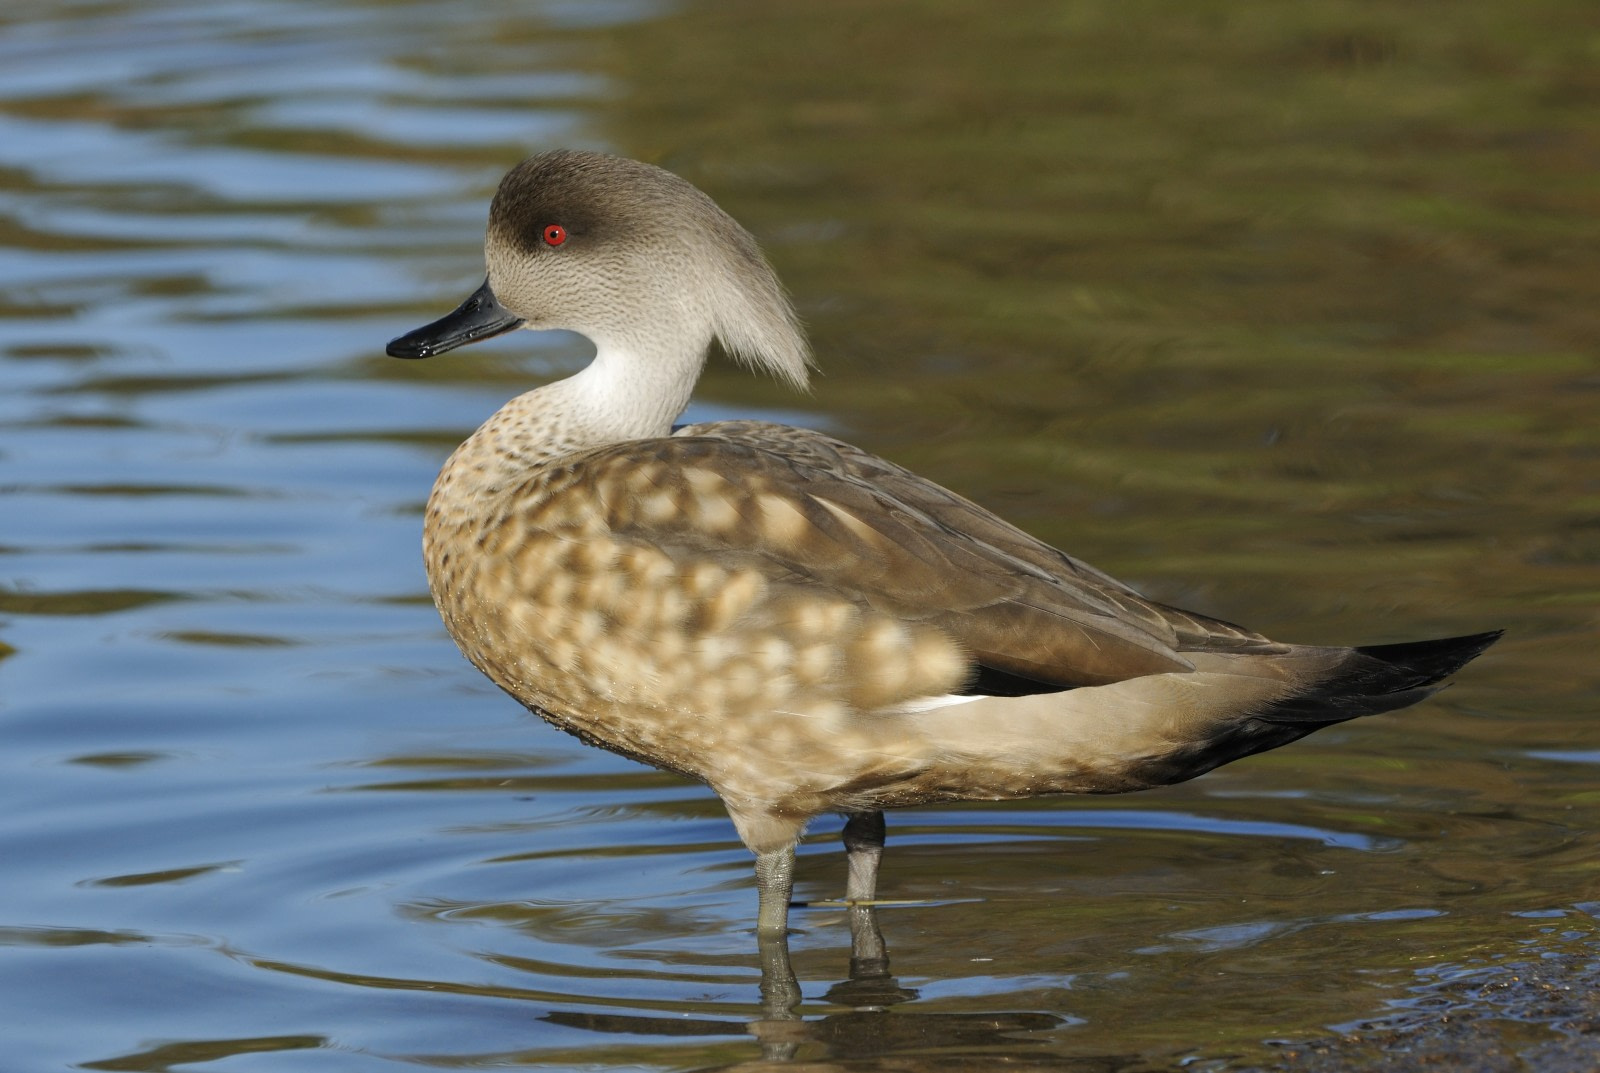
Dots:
pixel 808 509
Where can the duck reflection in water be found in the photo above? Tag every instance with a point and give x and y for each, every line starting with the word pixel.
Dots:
pixel 862 1029
pixel 802 626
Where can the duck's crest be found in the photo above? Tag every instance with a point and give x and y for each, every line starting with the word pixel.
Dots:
pixel 755 321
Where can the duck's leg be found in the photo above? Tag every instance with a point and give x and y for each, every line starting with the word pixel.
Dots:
pixel 863 847
pixel 774 888
pixel 780 991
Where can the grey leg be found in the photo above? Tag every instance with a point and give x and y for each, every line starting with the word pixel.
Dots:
pixel 780 991
pixel 863 846
pixel 868 955
pixel 774 887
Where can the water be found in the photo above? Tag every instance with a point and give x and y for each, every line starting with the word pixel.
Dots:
pixel 1283 315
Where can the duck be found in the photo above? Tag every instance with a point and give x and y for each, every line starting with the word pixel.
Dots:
pixel 800 625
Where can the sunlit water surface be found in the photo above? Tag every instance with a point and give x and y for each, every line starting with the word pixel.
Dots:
pixel 1290 321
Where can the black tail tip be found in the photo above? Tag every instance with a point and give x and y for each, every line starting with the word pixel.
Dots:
pixel 1430 661
pixel 1380 678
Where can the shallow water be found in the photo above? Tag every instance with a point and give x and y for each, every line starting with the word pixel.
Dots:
pixel 1286 315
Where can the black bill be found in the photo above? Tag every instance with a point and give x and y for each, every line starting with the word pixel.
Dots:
pixel 479 317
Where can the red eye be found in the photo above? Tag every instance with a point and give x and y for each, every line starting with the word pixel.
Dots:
pixel 555 234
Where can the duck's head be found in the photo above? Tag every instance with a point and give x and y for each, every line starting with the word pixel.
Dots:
pixel 629 255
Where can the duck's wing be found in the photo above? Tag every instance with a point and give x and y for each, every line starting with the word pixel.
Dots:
pixel 810 511
pixel 1186 631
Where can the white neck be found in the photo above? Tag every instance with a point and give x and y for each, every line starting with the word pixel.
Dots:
pixel 623 394
pixel 630 391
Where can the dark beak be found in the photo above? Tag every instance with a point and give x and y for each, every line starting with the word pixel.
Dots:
pixel 479 317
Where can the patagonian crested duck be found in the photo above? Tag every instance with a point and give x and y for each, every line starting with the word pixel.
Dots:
pixel 801 625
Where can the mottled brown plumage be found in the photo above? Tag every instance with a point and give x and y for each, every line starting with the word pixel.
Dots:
pixel 799 624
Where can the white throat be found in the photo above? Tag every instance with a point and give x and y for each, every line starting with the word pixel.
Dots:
pixel 628 392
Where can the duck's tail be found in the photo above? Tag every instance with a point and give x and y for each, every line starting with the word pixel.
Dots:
pixel 1378 678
